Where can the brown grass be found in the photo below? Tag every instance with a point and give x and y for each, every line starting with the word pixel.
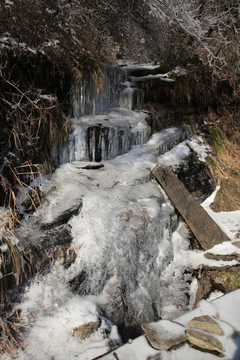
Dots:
pixel 11 330
pixel 16 266
pixel 27 179
pixel 225 164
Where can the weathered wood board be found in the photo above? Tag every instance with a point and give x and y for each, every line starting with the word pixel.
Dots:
pixel 206 231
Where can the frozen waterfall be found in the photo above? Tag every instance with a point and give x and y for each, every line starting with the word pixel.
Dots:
pixel 112 90
pixel 103 124
pixel 102 137
pixel 126 238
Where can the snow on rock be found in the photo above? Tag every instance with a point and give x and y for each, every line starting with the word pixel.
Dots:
pixel 55 314
pixel 225 308
pixel 227 221
pixel 175 157
pixel 164 334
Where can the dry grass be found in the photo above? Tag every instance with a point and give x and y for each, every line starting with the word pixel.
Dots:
pixel 15 267
pixel 224 164
pixel 12 329
pixel 96 75
pixel 27 180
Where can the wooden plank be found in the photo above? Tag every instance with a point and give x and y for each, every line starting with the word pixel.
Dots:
pixel 206 231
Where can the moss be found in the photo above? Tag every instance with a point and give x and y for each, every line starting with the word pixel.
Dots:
pixel 236 279
pixel 217 140
pixel 211 162
pixel 232 277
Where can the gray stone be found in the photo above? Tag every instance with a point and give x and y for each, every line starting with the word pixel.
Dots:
pixel 206 323
pixel 206 231
pixel 204 341
pixel 64 216
pixel 155 357
pixel 219 257
pixel 89 166
pixel 164 334
pixel 85 330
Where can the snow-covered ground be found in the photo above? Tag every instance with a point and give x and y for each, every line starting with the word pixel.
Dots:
pixel 229 222
pixel 225 309
pixel 120 200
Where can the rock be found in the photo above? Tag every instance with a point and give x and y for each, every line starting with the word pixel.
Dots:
pixel 61 235
pixel 155 357
pixel 164 334
pixel 227 197
pixel 195 176
pixel 89 166
pixel 63 217
pixel 215 278
pixel 64 254
pixel 207 232
pixel 85 330
pixel 237 244
pixel 227 257
pixel 206 323
pixel 203 341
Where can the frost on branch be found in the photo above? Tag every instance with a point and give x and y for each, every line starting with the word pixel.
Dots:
pixel 213 27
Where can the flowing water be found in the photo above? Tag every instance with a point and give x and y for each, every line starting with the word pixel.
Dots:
pixel 126 237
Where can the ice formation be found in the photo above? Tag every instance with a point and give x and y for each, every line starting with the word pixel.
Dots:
pixel 127 238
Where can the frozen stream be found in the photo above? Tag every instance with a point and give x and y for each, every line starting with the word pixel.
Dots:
pixel 128 241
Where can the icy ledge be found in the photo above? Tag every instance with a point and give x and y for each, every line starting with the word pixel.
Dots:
pixel 102 137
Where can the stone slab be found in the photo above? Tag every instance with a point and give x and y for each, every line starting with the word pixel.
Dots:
pixel 203 341
pixel 206 231
pixel 206 323
pixel 164 334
